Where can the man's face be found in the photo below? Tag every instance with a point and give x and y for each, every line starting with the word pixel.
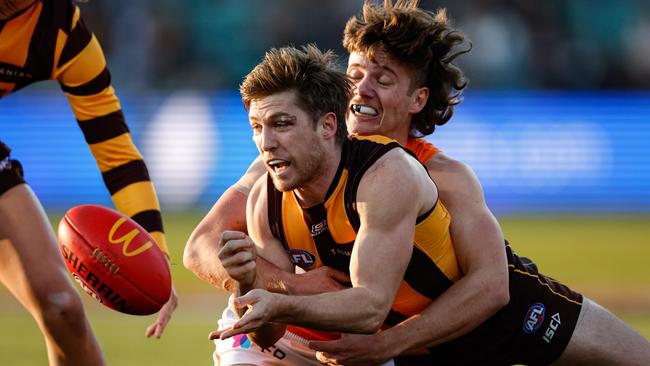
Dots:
pixel 287 140
pixel 381 103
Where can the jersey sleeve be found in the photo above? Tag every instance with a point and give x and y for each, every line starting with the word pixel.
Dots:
pixel 80 69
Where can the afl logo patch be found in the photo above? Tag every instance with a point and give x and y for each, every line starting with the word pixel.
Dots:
pixel 302 258
pixel 534 318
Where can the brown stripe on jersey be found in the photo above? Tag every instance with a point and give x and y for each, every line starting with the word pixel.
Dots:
pixel 94 86
pixel 78 39
pixel 393 318
pixel 366 152
pixel 275 212
pixel 424 276
pixel 332 254
pixel 150 220
pixel 104 128
pixel 40 56
pixel 123 175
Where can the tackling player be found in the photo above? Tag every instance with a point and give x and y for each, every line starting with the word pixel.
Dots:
pixel 366 205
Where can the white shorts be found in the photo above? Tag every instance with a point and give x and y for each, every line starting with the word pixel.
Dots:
pixel 290 350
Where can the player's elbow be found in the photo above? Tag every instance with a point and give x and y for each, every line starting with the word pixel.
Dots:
pixel 191 254
pixel 374 317
pixel 374 323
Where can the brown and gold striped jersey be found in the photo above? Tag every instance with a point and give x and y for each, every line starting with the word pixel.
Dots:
pixel 323 235
pixel 50 41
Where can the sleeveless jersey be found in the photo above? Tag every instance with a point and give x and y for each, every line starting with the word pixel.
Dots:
pixel 50 41
pixel 422 149
pixel 323 235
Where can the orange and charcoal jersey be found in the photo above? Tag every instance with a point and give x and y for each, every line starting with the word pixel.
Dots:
pixel 49 41
pixel 327 236
pixel 422 149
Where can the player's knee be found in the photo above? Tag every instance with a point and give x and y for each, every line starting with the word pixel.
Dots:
pixel 62 309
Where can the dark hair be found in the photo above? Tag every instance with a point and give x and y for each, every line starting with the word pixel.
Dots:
pixel 319 85
pixel 423 41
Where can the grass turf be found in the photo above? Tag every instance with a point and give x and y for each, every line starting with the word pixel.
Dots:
pixel 603 257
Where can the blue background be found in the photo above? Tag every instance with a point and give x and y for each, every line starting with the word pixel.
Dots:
pixel 534 152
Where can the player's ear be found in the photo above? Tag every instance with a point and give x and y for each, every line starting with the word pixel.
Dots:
pixel 419 99
pixel 328 125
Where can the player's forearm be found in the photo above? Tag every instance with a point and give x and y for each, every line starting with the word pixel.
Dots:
pixel 459 310
pixel 201 254
pixel 354 310
pixel 201 257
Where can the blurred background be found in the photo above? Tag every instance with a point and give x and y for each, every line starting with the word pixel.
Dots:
pixel 555 122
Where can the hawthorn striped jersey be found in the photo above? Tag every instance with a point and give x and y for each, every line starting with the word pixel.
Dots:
pixel 323 235
pixel 50 41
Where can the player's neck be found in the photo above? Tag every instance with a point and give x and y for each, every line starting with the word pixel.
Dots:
pixel 313 192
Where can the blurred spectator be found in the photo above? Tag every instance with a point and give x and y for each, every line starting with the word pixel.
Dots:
pixel 211 44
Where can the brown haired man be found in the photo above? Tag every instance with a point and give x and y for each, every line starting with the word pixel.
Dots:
pixel 367 206
pixel 388 96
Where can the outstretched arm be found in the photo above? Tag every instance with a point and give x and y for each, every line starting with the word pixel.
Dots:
pixel 85 79
pixel 481 291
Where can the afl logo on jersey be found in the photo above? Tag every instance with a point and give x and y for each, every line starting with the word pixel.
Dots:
pixel 302 258
pixel 534 318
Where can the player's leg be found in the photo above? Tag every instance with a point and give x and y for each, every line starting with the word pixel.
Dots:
pixel 32 269
pixel 600 338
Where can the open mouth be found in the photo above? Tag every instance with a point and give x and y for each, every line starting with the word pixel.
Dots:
pixel 363 110
pixel 278 165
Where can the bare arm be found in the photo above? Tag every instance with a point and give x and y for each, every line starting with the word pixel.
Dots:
pixel 229 213
pixel 479 245
pixel 384 240
pixel 480 293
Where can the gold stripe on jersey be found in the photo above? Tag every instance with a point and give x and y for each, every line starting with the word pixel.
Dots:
pixel 161 242
pixel 75 17
pixel 292 213
pixel 375 138
pixel 141 197
pixel 336 215
pixel 437 247
pixel 115 152
pixel 87 107
pixel 433 267
pixel 15 36
pixel 87 65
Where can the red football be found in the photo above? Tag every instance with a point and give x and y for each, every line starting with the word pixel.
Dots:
pixel 114 259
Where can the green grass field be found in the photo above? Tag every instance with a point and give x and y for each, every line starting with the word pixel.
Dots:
pixel 602 257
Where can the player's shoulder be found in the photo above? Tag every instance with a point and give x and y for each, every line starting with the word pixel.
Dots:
pixel 442 163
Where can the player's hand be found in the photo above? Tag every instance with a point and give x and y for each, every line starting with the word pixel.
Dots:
pixel 352 349
pixel 237 254
pixel 317 281
pixel 262 306
pixel 164 315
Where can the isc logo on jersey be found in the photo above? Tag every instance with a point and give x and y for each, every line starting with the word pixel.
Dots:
pixel 534 318
pixel 302 258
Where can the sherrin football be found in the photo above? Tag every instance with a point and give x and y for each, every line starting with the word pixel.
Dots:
pixel 114 259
